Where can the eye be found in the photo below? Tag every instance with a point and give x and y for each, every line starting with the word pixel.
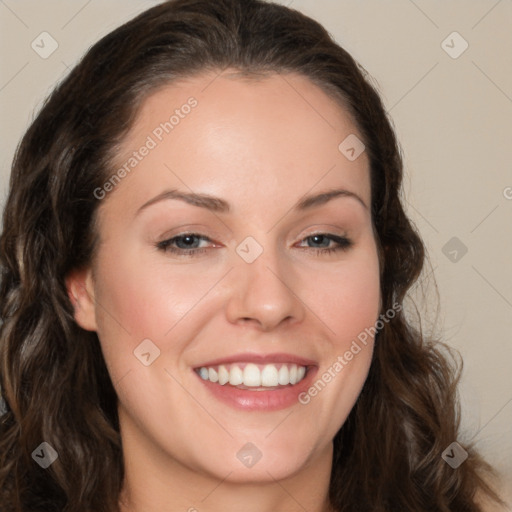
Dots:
pixel 187 244
pixel 324 240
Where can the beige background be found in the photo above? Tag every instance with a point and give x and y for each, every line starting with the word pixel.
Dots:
pixel 453 117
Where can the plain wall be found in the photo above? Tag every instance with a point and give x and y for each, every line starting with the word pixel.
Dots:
pixel 453 118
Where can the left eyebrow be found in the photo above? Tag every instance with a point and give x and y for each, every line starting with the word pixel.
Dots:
pixel 324 197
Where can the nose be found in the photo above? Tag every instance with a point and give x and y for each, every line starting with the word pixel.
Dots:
pixel 265 293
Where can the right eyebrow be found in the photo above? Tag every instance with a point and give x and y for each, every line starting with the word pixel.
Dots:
pixel 215 204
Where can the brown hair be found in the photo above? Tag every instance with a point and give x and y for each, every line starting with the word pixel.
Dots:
pixel 387 455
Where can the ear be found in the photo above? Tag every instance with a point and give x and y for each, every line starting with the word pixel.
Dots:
pixel 80 288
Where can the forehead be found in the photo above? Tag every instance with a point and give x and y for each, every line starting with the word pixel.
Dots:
pixel 277 134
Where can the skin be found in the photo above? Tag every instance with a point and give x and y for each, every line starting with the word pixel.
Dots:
pixel 260 145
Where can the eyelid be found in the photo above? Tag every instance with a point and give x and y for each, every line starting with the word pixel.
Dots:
pixel 189 229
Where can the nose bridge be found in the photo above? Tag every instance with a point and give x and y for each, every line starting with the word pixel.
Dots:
pixel 263 285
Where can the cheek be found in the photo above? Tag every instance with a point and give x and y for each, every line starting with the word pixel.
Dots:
pixel 131 306
pixel 142 299
pixel 348 299
pixel 139 297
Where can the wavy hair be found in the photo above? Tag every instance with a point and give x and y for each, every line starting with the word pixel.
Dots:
pixel 56 387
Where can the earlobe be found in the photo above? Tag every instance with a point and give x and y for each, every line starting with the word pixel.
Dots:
pixel 79 285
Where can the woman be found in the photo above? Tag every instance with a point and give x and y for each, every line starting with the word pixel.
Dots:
pixel 204 262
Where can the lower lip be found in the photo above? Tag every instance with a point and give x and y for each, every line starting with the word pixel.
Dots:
pixel 271 400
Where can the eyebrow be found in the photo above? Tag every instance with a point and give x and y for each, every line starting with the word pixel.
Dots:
pixel 218 205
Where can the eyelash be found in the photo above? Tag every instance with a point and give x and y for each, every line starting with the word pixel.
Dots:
pixel 165 245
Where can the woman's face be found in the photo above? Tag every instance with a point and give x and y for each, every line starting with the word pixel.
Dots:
pixel 221 260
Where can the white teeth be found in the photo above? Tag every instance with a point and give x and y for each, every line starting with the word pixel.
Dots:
pixel 212 375
pixel 269 376
pixel 223 375
pixel 293 374
pixel 252 375
pixel 284 375
pixel 236 376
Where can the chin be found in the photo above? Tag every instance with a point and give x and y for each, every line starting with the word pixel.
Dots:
pixel 264 459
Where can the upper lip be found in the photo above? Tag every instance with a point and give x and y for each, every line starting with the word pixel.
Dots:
pixel 260 359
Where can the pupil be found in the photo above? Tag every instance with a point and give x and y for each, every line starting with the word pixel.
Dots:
pixel 188 240
pixel 319 238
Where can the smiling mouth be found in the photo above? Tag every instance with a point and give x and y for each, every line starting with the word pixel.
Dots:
pixel 254 377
